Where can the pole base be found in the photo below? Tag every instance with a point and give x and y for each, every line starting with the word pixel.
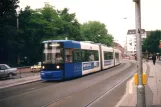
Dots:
pixel 141 96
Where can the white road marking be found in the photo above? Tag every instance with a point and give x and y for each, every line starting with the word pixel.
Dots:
pixel 131 86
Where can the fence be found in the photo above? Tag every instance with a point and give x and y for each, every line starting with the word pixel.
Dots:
pixel 26 71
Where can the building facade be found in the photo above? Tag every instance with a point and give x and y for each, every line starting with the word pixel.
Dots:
pixel 119 47
pixel 130 46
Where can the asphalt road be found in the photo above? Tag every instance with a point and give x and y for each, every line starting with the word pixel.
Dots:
pixel 92 90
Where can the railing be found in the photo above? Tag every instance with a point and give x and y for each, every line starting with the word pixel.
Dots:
pixel 26 71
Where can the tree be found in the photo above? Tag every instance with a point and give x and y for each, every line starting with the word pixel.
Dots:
pixel 7 6
pixel 8 31
pixel 151 43
pixel 45 24
pixel 97 32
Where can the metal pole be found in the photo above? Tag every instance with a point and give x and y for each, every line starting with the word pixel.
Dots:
pixel 140 86
pixel 126 45
pixel 126 40
pixel 18 32
pixel 17 21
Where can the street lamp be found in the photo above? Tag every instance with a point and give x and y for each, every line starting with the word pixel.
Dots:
pixel 17 14
pixel 125 18
pixel 140 86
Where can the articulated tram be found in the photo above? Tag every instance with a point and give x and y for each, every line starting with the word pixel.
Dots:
pixel 65 59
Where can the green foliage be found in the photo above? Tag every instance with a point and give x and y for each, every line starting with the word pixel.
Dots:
pixel 42 24
pixel 8 32
pixel 97 32
pixel 151 43
pixel 7 7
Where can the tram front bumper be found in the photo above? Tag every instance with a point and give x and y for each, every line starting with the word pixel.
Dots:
pixel 52 75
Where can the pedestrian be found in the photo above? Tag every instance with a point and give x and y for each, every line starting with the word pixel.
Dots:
pixel 154 58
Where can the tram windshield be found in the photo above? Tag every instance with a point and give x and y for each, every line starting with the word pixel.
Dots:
pixel 53 53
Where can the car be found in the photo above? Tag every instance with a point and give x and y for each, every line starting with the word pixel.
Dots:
pixel 6 71
pixel 36 67
pixel 150 58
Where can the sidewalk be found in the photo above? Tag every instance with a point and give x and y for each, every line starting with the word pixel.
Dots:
pixel 19 81
pixel 152 89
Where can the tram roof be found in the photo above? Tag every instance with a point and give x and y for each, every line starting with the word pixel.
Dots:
pixel 67 43
pixel 59 41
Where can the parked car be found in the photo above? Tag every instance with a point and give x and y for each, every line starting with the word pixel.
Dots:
pixel 150 58
pixel 36 67
pixel 6 71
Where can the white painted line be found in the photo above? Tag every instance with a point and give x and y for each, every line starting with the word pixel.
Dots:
pixel 129 89
pixel 124 96
pixel 131 86
pixel 104 94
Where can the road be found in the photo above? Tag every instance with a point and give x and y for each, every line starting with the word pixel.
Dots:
pixel 102 89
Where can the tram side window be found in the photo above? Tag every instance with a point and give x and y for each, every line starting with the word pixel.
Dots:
pixel 77 55
pixel 68 55
pixel 90 55
pixel 108 55
pixel 117 56
pixel 85 55
pixel 96 56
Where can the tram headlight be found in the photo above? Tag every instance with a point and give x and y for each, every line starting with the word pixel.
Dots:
pixel 57 67
pixel 43 67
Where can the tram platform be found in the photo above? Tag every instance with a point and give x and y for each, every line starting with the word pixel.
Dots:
pixel 18 81
pixel 152 88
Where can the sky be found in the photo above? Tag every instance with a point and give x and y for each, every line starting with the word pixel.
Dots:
pixel 109 12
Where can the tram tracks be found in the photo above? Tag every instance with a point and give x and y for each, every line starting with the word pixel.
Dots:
pixel 83 90
pixel 63 101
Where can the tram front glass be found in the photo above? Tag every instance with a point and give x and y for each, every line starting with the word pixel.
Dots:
pixel 53 61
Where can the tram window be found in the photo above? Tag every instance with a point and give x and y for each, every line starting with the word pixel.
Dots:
pixel 105 55
pixel 68 55
pixel 85 55
pixel 108 55
pixel 91 56
pixel 96 56
pixel 117 56
pixel 77 55
pixel 53 53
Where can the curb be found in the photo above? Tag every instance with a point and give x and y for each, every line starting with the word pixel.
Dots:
pixel 129 90
pixel 126 92
pixel 20 83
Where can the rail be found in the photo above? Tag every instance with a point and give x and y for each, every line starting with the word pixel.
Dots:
pixel 26 70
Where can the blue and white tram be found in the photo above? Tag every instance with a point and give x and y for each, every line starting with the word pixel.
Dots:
pixel 118 58
pixel 64 59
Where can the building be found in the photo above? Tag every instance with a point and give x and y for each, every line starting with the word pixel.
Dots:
pixel 119 47
pixel 130 46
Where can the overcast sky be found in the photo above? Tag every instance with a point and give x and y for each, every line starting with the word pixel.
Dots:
pixel 109 12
